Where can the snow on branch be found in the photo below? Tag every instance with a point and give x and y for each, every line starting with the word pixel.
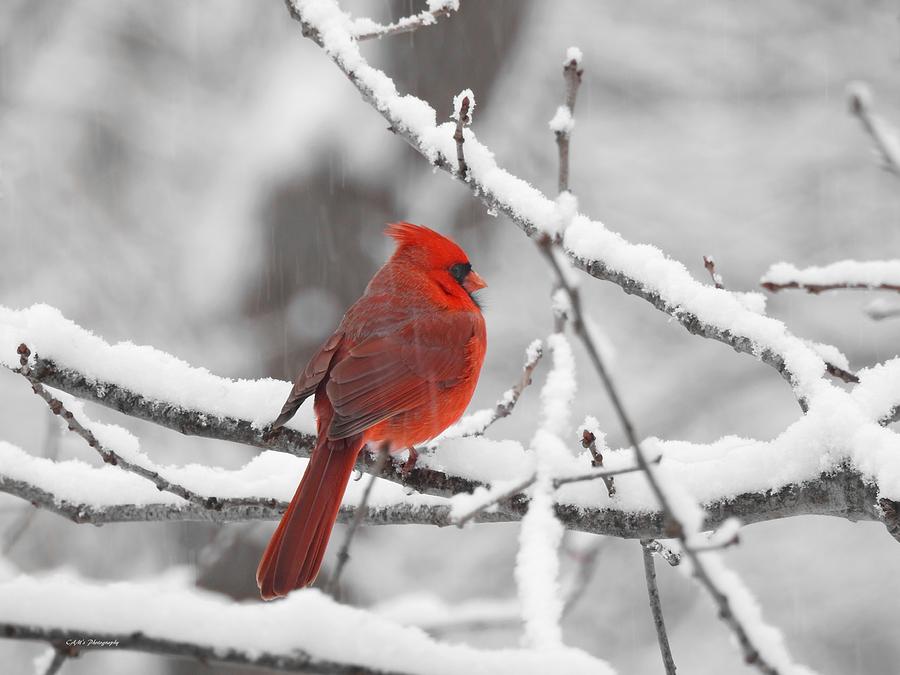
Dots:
pixel 537 562
pixel 294 635
pixel 151 385
pixel 845 274
pixel 859 97
pixel 641 270
pixel 366 29
pixel 729 477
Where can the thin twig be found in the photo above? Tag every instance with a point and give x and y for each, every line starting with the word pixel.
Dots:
pixel 507 402
pixel 517 489
pixel 110 456
pixel 585 567
pixel 656 608
pixel 606 474
pixel 750 651
pixel 589 441
pixel 508 494
pixel 407 24
pixel 572 76
pixel 815 289
pixel 343 554
pixel 15 531
pixel 859 98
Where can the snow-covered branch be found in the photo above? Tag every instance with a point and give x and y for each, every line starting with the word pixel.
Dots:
pixel 640 270
pixel 883 275
pixel 366 29
pixel 97 495
pixel 297 634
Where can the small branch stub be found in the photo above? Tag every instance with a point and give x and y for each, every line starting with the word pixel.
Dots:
pixel 710 266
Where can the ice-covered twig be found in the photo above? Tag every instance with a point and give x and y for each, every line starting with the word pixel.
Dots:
pixel 663 551
pixel 343 554
pixel 710 266
pixel 656 608
pixel 366 29
pixel 110 456
pixel 870 275
pixel 463 103
pixel 859 98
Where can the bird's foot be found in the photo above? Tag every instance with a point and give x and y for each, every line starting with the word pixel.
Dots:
pixel 410 463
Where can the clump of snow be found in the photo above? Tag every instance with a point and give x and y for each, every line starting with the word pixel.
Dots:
pixel 752 301
pixel 537 567
pixel 537 563
pixel 573 54
pixel 562 121
pixel 560 304
pixel 726 533
pixel 567 209
pixel 878 392
pixel 534 351
pixel 145 370
pixel 830 353
pixel 558 392
pixel 437 5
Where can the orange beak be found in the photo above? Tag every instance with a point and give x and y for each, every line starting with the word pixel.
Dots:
pixel 473 282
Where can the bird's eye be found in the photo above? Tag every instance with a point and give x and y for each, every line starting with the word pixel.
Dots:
pixel 460 270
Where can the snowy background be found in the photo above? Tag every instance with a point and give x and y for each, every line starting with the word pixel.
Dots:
pixel 198 177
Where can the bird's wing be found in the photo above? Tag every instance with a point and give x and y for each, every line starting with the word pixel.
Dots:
pixel 309 379
pixel 393 373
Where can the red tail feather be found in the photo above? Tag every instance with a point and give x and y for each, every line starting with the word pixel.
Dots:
pixel 294 554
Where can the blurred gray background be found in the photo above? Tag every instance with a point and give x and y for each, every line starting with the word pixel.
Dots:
pixel 197 176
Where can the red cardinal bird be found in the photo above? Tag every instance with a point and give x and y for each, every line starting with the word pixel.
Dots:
pixel 400 368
